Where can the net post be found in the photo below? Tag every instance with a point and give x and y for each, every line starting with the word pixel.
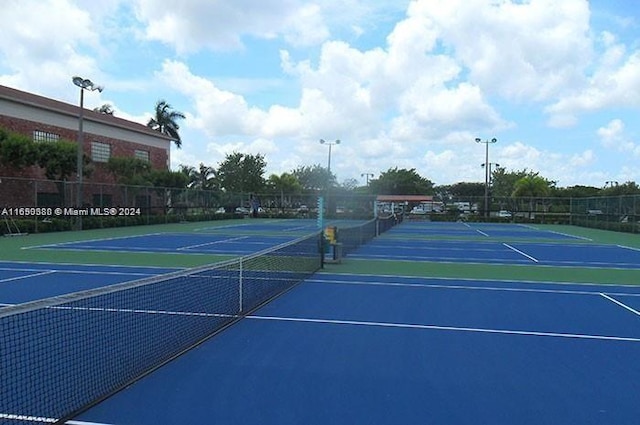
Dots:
pixel 240 285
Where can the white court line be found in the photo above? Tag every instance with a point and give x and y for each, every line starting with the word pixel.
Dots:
pixel 182 248
pixel 477 230
pixel 599 286
pixel 628 247
pixel 446 328
pixel 29 263
pixel 621 304
pixel 361 323
pixel 27 276
pixel 62 244
pixel 473 288
pixel 88 272
pixel 27 418
pixel 521 253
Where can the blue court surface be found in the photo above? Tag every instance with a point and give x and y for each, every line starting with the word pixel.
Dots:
pixel 341 349
pixel 187 243
pixel 487 243
pixel 524 253
pixel 283 226
pixel 478 231
pixel 234 239
pixel 25 282
pixel 370 349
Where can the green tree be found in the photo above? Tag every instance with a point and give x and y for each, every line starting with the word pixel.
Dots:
pixel 467 190
pixel 167 178
pixel 165 120
pixel 532 186
pixel 401 182
pixel 503 181
pixel 284 185
pixel 105 109
pixel 627 188
pixel 578 191
pixel 349 184
pixel 129 170
pixel 203 177
pixel 58 159
pixel 17 151
pixel 242 173
pixel 314 178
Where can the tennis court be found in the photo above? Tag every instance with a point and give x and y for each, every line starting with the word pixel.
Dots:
pixel 343 349
pixel 26 282
pixel 377 339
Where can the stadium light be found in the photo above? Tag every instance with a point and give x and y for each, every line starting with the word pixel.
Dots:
pixel 490 169
pixel 84 84
pixel 367 175
pixel 486 172
pixel 324 142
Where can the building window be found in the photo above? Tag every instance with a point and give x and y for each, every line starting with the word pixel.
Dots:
pixel 143 155
pixel 100 152
pixel 43 136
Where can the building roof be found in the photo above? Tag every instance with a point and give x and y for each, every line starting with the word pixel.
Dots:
pixel 33 100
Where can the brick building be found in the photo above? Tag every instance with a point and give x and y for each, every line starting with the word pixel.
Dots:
pixel 105 136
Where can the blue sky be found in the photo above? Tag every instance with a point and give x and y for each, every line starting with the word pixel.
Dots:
pixel 406 84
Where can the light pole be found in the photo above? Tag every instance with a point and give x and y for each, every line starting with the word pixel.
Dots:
pixel 490 170
pixel 486 172
pixel 367 175
pixel 84 84
pixel 324 142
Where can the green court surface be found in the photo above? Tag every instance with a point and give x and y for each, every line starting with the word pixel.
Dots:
pixel 533 273
pixel 25 249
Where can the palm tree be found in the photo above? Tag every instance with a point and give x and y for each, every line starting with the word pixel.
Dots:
pixel 104 109
pixel 165 121
pixel 284 183
pixel 203 177
pixel 531 186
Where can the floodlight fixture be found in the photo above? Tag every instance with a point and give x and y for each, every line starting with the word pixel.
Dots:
pixel 84 84
pixel 486 172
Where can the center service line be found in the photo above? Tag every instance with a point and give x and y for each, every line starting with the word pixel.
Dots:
pixel 521 253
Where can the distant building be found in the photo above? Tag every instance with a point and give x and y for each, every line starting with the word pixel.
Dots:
pixel 105 136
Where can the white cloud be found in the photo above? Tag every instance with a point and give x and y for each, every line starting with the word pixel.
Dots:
pixel 42 46
pixel 613 83
pixel 414 95
pixel 520 50
pixel 612 133
pixel 613 137
pixel 195 24
pixel 582 159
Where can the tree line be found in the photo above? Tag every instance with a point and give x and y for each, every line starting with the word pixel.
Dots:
pixel 245 173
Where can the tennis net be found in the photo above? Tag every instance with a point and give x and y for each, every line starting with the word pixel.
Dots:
pixel 59 356
pixel 354 236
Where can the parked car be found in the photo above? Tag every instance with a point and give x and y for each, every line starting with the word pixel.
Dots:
pixel 242 211
pixel 504 214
